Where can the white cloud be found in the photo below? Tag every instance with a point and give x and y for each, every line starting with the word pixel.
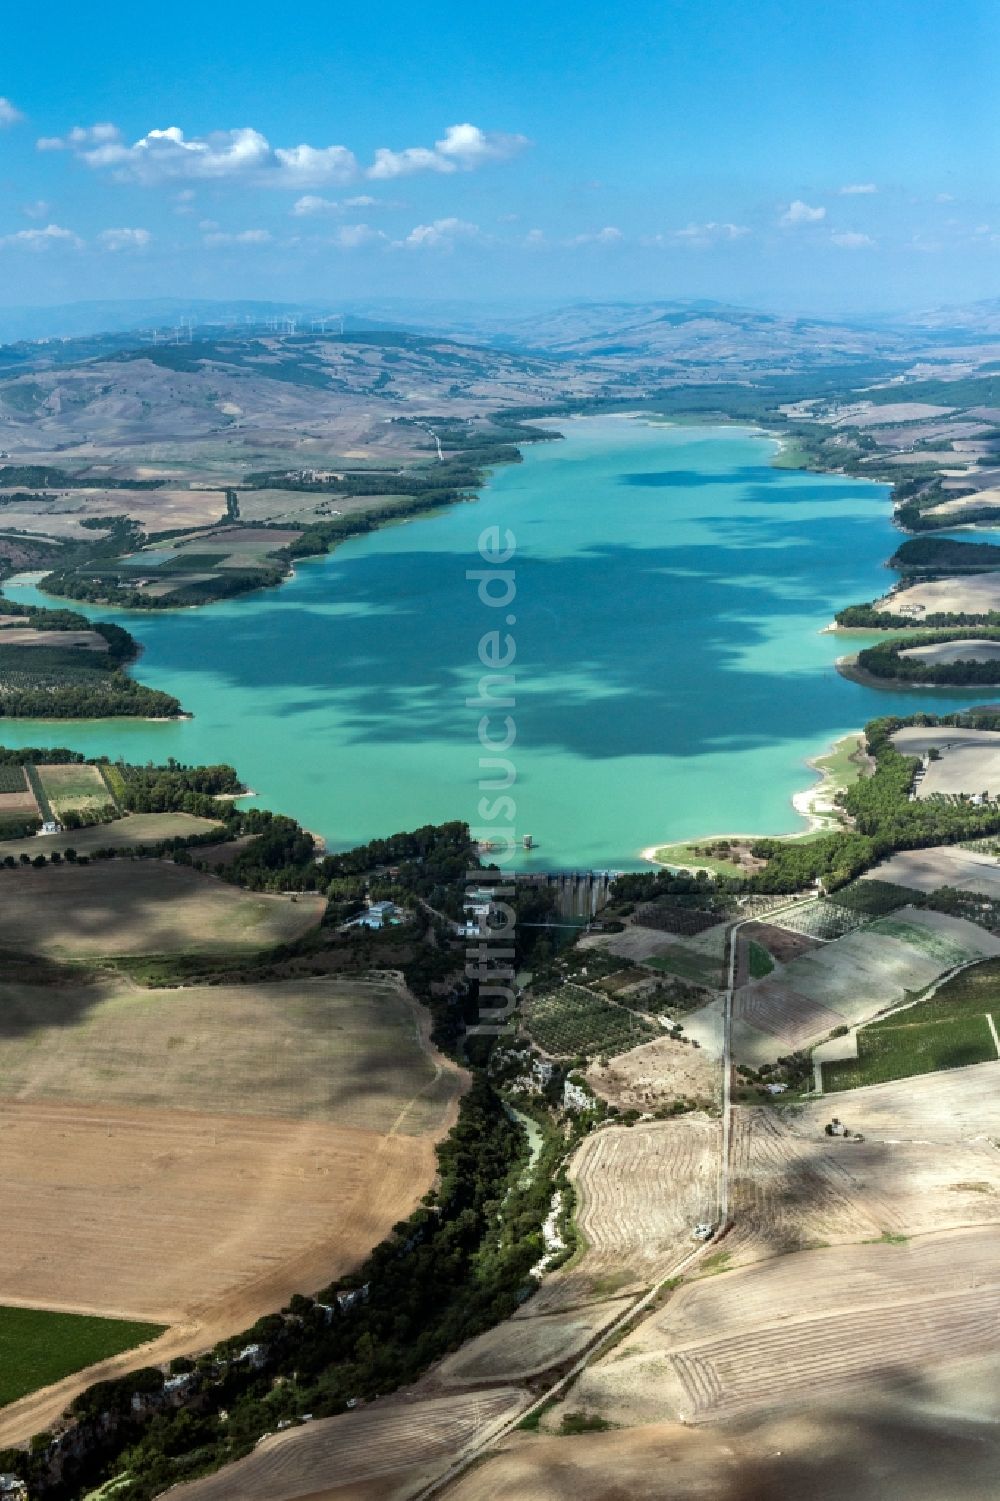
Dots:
pixel 184 201
pixel 609 235
pixel 309 205
pixel 364 200
pixel 854 189
pixel 40 209
pixel 798 212
pixel 534 238
pixel 944 198
pixel 354 236
pixel 849 239
pixel 125 239
pixel 216 238
pixel 442 234
pixel 9 115
pixel 461 149
pixel 246 154
pixel 700 234
pixel 43 239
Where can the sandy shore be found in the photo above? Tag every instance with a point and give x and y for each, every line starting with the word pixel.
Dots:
pixel 815 804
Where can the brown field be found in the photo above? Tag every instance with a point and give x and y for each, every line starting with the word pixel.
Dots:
pixel 134 1200
pixel 957 1105
pixel 17 806
pixel 344 1051
pixel 931 1441
pixel 123 833
pixel 641 1190
pixel 792 1187
pixel 141 907
pixel 970 759
pixel 969 594
pixel 943 652
pixel 524 1347
pixel 768 1337
pixel 156 510
pixel 781 943
pixel 382 1452
pixel 656 1074
pixel 25 636
pixel 786 1016
pixel 943 865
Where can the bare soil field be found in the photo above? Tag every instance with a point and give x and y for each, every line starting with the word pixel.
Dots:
pixel 781 943
pixel 143 907
pixel 788 1017
pixel 640 1464
pixel 922 1441
pixel 656 1074
pixel 641 1190
pixel 794 1187
pixel 123 833
pixel 174 1216
pixel 968 594
pixel 524 1347
pixel 942 652
pixel 942 865
pixel 25 636
pixel 956 1105
pixel 970 759
pixel 382 1452
pixel 348 1052
pixel 17 806
pixel 156 510
pixel 764 1338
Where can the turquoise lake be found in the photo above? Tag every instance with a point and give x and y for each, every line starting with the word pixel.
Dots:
pixel 671 678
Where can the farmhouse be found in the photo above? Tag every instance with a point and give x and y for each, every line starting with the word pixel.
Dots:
pixel 376 916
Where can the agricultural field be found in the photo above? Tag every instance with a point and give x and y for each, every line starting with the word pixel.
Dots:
pixel 690 964
pixel 345 1051
pixel 844 981
pixel 941 653
pixel 671 917
pixel 147 907
pixel 27 636
pixel 781 943
pixel 941 865
pixel 572 1020
pixel 38 1347
pixel 969 760
pixel 523 1347
pixel 954 1028
pixel 74 788
pixel 17 801
pixel 878 896
pixel 956 1105
pixel 822 919
pixel 766 1337
pixel 383 1452
pixel 641 1190
pixel 656 1075
pixel 132 832
pixel 902 1048
pixel 967 594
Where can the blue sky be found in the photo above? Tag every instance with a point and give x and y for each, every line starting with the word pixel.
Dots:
pixel 825 156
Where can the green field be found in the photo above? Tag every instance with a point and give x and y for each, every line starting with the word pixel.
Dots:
pixel 947 1031
pixel 686 857
pixel 38 1347
pixel 571 1020
pixel 761 963
pixel 703 969
pixel 899 1052
pixel 874 898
